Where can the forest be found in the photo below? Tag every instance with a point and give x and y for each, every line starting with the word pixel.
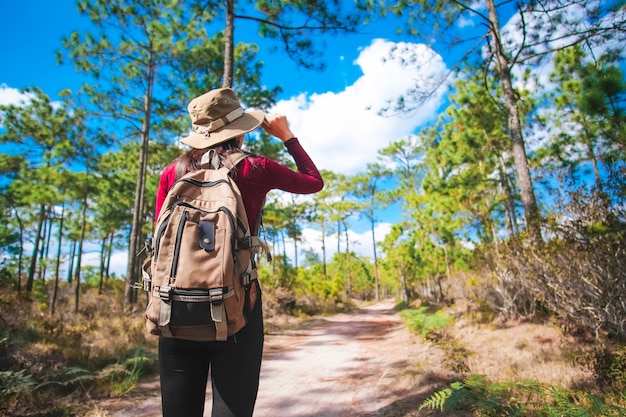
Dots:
pixel 511 202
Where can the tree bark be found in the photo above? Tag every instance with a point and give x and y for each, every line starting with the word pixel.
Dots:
pixel 33 261
pixel 531 211
pixel 376 282
pixel 46 244
pixel 509 203
pixel 107 266
pixel 58 261
pixel 134 246
pixel 229 44
pixel 70 266
pixel 103 251
pixel 80 253
pixel 405 290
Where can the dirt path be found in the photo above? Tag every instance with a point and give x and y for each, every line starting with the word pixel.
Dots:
pixel 343 365
pixel 358 364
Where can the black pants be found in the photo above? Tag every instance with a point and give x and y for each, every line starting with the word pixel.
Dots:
pixel 234 365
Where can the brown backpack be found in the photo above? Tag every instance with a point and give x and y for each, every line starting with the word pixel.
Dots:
pixel 202 272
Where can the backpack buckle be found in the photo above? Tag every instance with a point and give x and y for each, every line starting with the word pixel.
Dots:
pixel 245 279
pixel 165 293
pixel 216 294
pixel 243 243
pixel 248 278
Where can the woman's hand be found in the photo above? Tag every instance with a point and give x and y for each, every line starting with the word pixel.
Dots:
pixel 277 125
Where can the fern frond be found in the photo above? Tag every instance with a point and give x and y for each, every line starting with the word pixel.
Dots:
pixel 114 371
pixel 67 377
pixel 16 383
pixel 447 399
pixel 437 400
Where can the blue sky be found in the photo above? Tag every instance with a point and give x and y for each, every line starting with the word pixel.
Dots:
pixel 334 113
pixel 30 33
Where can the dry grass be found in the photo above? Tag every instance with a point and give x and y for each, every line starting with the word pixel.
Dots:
pixel 100 336
pixel 517 350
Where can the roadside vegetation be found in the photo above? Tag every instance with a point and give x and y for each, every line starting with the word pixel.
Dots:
pixel 55 364
pixel 61 363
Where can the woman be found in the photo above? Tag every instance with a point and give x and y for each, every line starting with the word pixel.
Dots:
pixel 219 123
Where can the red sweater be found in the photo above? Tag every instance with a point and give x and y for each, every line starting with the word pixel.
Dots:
pixel 256 176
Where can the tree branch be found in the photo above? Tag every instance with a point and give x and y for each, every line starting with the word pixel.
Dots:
pixel 291 28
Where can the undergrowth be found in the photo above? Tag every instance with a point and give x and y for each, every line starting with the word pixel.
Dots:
pixel 421 321
pixel 517 399
pixel 57 361
pixel 526 398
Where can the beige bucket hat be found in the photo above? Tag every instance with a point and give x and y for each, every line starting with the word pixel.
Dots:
pixel 217 116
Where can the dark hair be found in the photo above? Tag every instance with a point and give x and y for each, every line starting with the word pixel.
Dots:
pixel 190 160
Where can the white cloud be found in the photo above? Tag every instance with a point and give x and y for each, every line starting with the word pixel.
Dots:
pixel 119 263
pixel 343 131
pixel 13 96
pixel 464 22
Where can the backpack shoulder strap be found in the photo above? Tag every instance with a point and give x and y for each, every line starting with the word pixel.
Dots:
pixel 233 160
pixel 212 160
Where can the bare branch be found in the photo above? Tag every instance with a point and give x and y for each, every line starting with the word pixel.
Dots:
pixel 292 28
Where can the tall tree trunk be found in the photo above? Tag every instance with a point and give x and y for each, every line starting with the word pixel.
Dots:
pixel 103 249
pixel 496 241
pixel 405 290
pixel 33 261
pixel 531 211
pixel 58 261
pixel 229 44
pixel 80 252
pixel 134 246
pixel 70 267
pixel 509 203
pixel 107 267
pixel 43 244
pixel 46 243
pixel 376 279
pixel 21 254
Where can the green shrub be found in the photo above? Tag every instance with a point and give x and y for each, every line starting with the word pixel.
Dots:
pixel 123 376
pixel 419 321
